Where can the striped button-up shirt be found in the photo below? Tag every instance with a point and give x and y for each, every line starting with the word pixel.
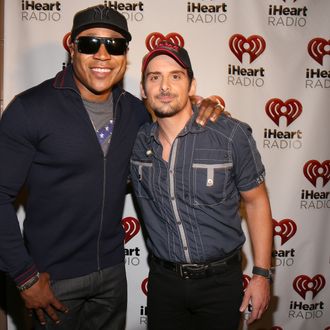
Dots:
pixel 190 204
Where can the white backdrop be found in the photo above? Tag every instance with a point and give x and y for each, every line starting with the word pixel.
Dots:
pixel 269 60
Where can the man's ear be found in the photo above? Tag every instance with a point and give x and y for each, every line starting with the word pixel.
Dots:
pixel 193 87
pixel 68 44
pixel 143 94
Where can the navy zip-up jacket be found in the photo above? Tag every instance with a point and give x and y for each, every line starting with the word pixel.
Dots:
pixel 75 194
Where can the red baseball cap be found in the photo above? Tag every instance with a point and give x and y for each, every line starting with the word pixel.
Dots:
pixel 179 54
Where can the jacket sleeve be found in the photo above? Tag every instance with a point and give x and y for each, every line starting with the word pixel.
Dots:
pixel 16 155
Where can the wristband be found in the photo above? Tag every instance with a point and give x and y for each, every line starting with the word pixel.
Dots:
pixel 28 284
pixel 263 272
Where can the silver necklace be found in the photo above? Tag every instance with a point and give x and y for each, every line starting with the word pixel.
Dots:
pixel 164 135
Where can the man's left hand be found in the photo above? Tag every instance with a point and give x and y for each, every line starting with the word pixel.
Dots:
pixel 209 109
pixel 258 294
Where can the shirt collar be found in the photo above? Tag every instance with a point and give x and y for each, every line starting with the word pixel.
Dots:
pixel 190 127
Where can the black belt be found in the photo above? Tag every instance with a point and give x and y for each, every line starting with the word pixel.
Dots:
pixel 199 270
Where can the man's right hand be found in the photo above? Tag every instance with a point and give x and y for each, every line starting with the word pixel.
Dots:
pixel 41 299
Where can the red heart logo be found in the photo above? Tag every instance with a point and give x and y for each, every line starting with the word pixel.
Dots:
pixel 290 109
pixel 253 45
pixel 131 226
pixel 285 229
pixel 144 286
pixel 302 284
pixel 154 38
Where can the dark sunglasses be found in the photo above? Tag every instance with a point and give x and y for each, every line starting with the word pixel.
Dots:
pixel 91 45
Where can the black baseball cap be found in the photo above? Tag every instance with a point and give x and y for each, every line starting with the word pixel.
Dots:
pixel 100 16
pixel 179 54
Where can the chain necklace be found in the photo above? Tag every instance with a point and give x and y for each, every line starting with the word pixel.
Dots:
pixel 164 135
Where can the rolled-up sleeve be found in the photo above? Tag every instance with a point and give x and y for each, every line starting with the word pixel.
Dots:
pixel 249 169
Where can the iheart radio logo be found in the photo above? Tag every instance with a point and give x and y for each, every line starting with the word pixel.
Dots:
pixel 314 170
pixel 291 109
pixel 246 281
pixel 302 284
pixel 253 45
pixel 285 228
pixel 154 38
pixel 131 226
pixel 317 49
pixel 144 286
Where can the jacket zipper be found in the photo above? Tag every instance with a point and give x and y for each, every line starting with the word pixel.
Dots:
pixel 104 188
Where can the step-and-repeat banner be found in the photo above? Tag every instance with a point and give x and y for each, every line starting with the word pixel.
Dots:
pixel 269 60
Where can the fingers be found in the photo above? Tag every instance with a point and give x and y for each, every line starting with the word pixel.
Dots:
pixel 59 306
pixel 41 316
pixel 55 305
pixel 52 314
pixel 29 312
pixel 257 312
pixel 245 304
pixel 255 315
pixel 258 305
pixel 218 109
pixel 200 117
pixel 209 110
pixel 41 299
pixel 50 311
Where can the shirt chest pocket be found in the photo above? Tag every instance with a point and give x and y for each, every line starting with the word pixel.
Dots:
pixel 142 178
pixel 211 177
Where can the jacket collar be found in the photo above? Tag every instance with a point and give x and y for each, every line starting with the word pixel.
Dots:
pixel 64 79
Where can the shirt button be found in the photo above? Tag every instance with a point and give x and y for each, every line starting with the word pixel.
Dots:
pixel 185 248
pixel 172 198
pixel 210 182
pixel 179 223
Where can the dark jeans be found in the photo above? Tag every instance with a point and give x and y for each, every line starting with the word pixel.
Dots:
pixel 96 301
pixel 186 304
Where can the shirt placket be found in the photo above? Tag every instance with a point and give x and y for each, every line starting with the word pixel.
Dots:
pixel 177 218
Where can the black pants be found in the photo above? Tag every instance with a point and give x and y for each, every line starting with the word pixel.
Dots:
pixel 194 304
pixel 96 301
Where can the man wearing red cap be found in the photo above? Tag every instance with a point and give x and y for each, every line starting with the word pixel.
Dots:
pixel 70 140
pixel 188 181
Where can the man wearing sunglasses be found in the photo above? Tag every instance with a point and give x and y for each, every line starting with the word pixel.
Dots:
pixel 55 138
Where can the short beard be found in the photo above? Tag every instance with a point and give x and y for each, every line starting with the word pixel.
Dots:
pixel 167 114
